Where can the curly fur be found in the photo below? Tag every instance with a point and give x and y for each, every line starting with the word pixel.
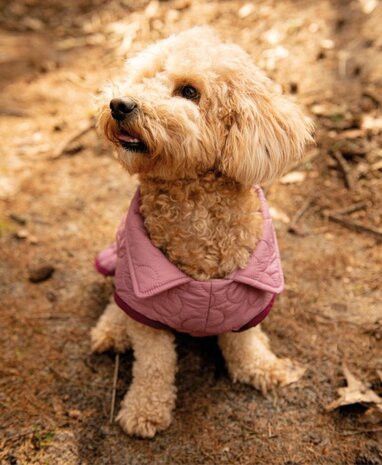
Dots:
pixel 196 180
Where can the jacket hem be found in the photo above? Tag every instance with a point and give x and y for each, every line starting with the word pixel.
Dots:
pixel 137 316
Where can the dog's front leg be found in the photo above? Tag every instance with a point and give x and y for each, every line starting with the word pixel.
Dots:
pixel 148 405
pixel 250 360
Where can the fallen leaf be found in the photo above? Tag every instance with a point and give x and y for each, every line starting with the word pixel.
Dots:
pixel 368 122
pixel 293 177
pixel 373 415
pixel 357 392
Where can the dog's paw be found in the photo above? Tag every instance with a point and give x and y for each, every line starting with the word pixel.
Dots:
pixel 268 376
pixel 144 417
pixel 280 373
pixel 108 337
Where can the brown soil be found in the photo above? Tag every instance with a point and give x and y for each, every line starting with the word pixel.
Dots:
pixel 55 396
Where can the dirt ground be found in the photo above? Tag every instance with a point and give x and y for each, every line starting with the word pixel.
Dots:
pixel 60 205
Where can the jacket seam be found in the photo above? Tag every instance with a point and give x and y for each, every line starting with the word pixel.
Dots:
pixel 208 308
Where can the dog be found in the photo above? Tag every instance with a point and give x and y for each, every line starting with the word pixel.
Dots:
pixel 202 127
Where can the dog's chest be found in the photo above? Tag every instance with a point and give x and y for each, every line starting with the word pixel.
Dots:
pixel 206 233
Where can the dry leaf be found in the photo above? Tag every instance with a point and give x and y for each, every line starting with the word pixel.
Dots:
pixel 368 122
pixel 373 415
pixel 356 392
pixel 293 177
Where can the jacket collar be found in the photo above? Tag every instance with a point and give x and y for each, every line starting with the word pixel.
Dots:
pixel 152 273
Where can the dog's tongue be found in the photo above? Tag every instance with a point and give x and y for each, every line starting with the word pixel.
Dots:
pixel 125 137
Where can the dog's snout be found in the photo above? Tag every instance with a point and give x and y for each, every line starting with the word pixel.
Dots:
pixel 121 108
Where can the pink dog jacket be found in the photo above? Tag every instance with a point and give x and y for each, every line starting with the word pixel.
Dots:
pixel 150 289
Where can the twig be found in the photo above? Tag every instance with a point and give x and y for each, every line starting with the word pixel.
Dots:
pixel 346 171
pixel 373 95
pixel 115 379
pixel 73 137
pixel 351 208
pixel 293 228
pixel 360 431
pixel 17 436
pixel 301 211
pixel 14 113
pixel 358 227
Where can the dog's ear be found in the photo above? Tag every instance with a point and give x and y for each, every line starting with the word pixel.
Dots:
pixel 266 133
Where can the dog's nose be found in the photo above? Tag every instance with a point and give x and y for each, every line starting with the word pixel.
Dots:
pixel 121 108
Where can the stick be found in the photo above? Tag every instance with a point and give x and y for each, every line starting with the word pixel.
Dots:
pixel 302 210
pixel 351 208
pixel 16 436
pixel 15 113
pixel 346 171
pixel 73 137
pixel 361 431
pixel 293 228
pixel 358 227
pixel 113 394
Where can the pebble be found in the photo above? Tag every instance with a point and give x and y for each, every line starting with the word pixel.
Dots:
pixel 22 234
pixel 40 274
pixel 74 413
pixel 18 218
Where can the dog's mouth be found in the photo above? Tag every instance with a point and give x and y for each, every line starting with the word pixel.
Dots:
pixel 130 141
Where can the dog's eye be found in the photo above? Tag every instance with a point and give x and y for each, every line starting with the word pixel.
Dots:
pixel 189 93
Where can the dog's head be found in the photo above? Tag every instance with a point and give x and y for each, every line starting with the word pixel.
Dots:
pixel 190 104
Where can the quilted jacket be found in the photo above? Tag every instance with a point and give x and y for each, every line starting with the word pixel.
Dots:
pixel 152 290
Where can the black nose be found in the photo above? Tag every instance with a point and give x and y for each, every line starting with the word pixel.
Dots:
pixel 121 108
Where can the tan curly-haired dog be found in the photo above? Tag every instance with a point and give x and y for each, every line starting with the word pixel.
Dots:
pixel 200 124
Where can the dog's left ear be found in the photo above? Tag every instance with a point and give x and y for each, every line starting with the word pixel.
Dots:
pixel 266 133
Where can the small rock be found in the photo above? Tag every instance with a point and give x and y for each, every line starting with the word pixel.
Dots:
pixel 40 274
pixel 18 219
pixel 33 240
pixel 74 413
pixel 22 234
